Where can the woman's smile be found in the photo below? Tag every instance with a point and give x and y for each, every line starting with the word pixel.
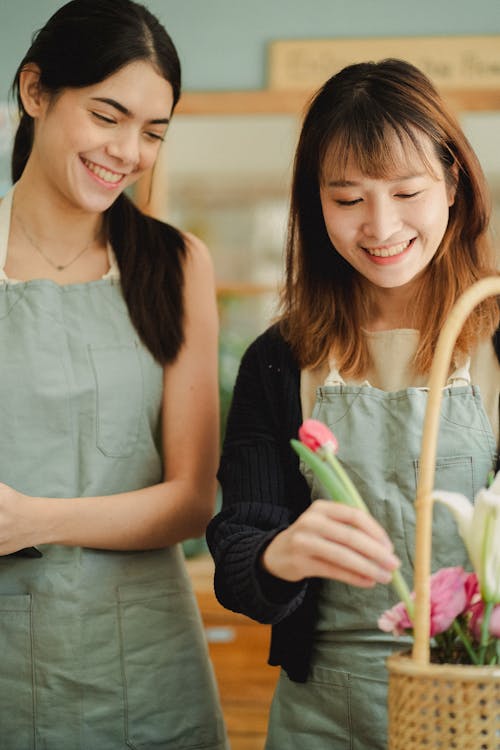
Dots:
pixel 105 176
pixel 387 254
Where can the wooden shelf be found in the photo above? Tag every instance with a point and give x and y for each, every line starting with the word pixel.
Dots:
pixel 271 101
pixel 261 101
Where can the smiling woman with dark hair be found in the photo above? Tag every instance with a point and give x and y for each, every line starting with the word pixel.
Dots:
pixel 108 364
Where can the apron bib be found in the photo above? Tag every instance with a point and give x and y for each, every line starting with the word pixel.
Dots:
pixel 343 705
pixel 101 650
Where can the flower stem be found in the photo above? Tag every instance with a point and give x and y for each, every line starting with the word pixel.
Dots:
pixel 331 482
pixel 466 641
pixel 339 486
pixel 485 630
pixel 398 581
pixel 346 480
pixel 402 590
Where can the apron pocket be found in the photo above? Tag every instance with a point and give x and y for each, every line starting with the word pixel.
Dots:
pixel 16 673
pixel 333 709
pixel 453 474
pixel 119 398
pixel 169 689
pixel 313 715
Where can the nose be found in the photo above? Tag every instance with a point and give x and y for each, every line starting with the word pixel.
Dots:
pixel 125 147
pixel 382 219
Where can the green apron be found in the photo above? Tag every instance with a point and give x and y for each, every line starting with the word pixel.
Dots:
pixel 101 650
pixel 342 706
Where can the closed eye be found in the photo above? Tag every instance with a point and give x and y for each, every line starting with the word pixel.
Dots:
pixel 103 118
pixel 155 136
pixel 408 195
pixel 348 203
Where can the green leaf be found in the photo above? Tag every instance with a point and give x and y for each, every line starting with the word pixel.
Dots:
pixel 334 487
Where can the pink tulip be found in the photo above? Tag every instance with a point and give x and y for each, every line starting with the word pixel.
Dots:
pixel 317 436
pixel 395 620
pixel 495 622
pixel 476 620
pixel 472 591
pixel 448 600
pixel 448 597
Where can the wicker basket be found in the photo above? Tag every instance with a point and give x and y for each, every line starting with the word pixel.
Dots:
pixel 441 706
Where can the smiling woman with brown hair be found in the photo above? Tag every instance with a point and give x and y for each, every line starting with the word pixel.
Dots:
pixel 388 225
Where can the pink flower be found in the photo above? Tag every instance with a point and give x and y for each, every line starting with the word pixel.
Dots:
pixel 495 622
pixel 472 591
pixel 476 620
pixel 316 436
pixel 474 605
pixel 448 597
pixel 448 600
pixel 395 620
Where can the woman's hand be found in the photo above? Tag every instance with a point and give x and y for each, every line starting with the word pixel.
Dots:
pixel 331 540
pixel 17 520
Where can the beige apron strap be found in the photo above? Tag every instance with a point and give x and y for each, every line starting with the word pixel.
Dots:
pixel 334 377
pixel 459 377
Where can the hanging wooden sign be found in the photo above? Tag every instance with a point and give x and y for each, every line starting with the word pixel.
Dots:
pixel 451 62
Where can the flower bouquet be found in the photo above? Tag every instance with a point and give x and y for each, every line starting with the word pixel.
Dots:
pixel 464 607
pixel 452 701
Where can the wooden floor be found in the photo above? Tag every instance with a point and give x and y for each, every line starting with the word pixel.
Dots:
pixel 239 650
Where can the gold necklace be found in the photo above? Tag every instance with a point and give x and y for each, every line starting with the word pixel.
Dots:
pixel 57 266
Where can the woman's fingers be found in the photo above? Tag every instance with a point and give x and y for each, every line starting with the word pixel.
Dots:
pixel 352 529
pixel 355 517
pixel 335 541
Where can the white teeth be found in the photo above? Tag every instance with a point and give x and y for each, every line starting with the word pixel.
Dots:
pixel 387 252
pixel 103 174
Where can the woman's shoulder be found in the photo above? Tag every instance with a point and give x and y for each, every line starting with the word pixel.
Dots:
pixel 268 365
pixel 197 250
pixel 271 349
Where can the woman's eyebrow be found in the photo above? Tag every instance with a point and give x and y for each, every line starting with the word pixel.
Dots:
pixel 353 183
pixel 342 183
pixel 121 108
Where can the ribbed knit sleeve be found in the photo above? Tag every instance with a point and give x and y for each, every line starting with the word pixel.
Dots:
pixel 263 490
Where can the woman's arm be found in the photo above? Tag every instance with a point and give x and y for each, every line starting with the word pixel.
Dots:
pixel 180 506
pixel 268 542
pixel 263 490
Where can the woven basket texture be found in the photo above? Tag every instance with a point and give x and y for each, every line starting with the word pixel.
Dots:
pixel 443 706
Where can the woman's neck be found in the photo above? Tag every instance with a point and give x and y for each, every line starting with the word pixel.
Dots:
pixel 391 309
pixel 49 239
pixel 50 220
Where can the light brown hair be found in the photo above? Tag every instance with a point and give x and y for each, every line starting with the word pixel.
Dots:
pixel 356 115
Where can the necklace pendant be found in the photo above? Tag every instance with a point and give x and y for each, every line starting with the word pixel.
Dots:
pixel 56 266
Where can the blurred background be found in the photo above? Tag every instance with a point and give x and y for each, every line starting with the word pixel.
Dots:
pixel 224 174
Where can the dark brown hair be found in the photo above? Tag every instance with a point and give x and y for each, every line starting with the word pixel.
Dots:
pixel 83 43
pixel 356 115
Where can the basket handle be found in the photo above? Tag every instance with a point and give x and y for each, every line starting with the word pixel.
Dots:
pixel 423 504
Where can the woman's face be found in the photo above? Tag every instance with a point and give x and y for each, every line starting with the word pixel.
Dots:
pixel 388 229
pixel 91 143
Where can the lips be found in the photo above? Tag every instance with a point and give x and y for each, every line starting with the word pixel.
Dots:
pixel 107 176
pixel 388 251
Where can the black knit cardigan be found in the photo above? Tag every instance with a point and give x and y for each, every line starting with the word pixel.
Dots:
pixel 263 493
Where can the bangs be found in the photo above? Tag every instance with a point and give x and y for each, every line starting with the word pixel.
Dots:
pixel 378 149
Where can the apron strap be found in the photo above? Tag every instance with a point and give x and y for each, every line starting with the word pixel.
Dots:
pixel 460 376
pixel 334 377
